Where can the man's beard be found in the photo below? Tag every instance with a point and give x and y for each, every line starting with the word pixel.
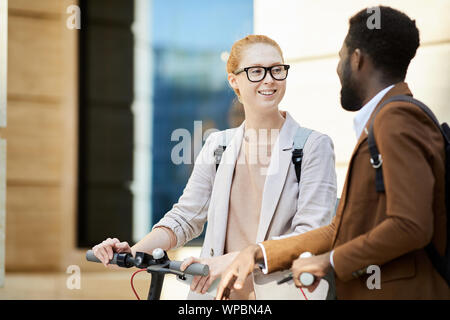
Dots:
pixel 350 96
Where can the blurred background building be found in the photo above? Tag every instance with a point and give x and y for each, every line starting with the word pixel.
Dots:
pixel 86 138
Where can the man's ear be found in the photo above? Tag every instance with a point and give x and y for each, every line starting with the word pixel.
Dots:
pixel 356 60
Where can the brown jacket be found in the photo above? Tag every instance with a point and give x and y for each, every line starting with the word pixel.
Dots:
pixel 386 229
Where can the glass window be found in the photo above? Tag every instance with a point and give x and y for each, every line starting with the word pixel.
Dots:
pixel 190 42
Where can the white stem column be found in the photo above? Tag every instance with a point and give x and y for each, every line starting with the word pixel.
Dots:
pixel 143 119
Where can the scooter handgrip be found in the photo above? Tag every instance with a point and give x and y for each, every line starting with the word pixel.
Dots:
pixel 195 269
pixel 90 256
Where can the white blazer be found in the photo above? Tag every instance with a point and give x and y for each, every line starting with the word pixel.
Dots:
pixel 288 207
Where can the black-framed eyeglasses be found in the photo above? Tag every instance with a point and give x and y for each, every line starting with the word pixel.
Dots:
pixel 255 74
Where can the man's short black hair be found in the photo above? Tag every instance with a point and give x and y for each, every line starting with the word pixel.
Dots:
pixel 392 46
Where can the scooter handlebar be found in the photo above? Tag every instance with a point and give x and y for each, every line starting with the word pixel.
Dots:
pixel 195 269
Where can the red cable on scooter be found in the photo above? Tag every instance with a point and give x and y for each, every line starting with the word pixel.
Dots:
pixel 303 293
pixel 137 296
pixel 131 282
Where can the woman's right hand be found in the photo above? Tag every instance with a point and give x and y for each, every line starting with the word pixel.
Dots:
pixel 216 266
pixel 105 250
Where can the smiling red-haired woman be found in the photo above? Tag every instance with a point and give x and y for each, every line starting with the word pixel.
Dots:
pixel 256 192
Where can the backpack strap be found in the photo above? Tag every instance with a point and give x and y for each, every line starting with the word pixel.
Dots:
pixel 300 138
pixel 376 159
pixel 441 264
pixel 218 152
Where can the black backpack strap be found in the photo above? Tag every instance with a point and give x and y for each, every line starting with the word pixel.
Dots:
pixel 218 152
pixel 441 264
pixel 300 138
pixel 376 158
pixel 297 157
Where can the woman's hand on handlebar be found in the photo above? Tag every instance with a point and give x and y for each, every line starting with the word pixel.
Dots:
pixel 217 265
pixel 105 250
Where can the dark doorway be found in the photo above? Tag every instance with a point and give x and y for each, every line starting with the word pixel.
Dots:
pixel 105 121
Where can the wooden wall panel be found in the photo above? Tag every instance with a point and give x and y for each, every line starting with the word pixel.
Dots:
pixel 2 209
pixel 36 6
pixel 41 135
pixel 42 128
pixel 33 228
pixel 3 60
pixel 69 161
pixel 35 62
pixel 35 143
pixel 3 112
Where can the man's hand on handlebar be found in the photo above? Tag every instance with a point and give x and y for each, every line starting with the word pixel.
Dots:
pixel 318 266
pixel 234 276
pixel 105 250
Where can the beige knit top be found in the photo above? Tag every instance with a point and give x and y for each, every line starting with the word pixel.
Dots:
pixel 245 202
